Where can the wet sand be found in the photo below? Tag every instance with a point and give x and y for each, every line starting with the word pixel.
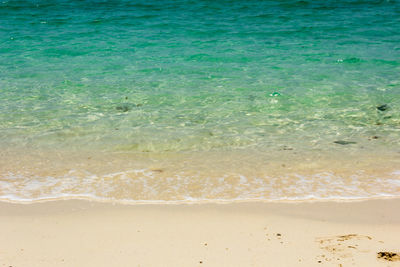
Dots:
pixel 277 174
pixel 84 233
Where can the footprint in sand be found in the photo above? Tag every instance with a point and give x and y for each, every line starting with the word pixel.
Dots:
pixel 342 246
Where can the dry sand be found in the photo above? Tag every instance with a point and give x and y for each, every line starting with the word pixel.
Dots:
pixel 84 233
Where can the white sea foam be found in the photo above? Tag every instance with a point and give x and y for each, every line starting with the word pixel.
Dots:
pixel 143 185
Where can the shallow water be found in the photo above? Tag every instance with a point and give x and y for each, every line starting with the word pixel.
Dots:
pixel 183 100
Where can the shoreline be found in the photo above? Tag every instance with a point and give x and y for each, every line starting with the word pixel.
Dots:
pixel 240 175
pixel 197 202
pixel 88 233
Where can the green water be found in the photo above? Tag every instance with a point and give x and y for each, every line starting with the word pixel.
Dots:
pixel 187 76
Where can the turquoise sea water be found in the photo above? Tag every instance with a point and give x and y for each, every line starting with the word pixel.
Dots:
pixel 198 76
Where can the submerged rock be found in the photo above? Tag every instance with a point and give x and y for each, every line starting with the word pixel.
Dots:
pixel 124 107
pixel 382 107
pixel 127 107
pixel 351 60
pixel 342 142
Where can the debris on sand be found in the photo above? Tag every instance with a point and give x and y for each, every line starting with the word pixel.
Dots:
pixel 389 256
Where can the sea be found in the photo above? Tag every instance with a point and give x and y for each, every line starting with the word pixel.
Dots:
pixel 163 101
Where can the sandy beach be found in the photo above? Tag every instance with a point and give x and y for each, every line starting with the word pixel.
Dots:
pixel 85 233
